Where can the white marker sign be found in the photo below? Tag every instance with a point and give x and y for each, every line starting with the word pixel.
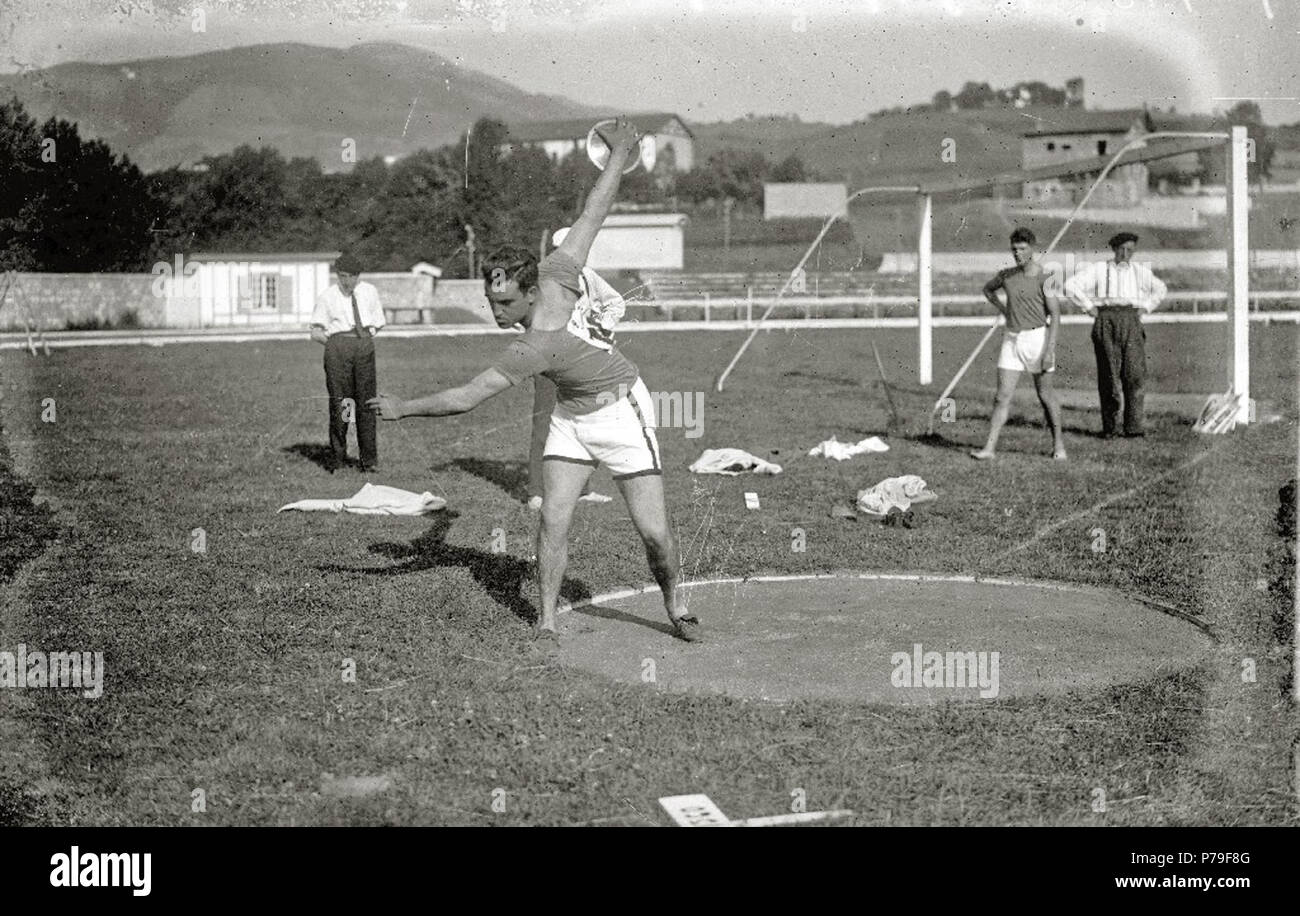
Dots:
pixel 700 811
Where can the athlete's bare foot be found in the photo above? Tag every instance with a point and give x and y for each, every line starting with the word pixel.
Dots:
pixel 1059 455
pixel 984 455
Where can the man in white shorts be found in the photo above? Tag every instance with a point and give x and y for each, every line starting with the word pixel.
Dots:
pixel 1028 341
pixel 603 413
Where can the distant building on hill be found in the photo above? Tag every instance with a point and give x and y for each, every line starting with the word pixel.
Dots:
pixel 1074 134
pixel 674 142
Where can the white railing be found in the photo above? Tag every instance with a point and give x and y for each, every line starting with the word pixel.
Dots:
pixel 732 303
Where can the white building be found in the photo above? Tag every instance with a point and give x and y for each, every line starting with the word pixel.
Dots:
pixel 229 290
pixel 802 200
pixel 639 241
pixel 674 142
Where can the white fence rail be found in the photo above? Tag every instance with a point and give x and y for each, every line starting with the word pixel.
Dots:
pixel 751 303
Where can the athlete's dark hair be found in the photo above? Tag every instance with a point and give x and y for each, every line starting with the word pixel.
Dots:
pixel 517 263
pixel 1023 235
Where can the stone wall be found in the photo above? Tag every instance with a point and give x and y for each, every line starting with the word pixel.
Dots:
pixel 57 301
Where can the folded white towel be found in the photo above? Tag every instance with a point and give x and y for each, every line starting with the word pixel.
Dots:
pixel 732 461
pixel 894 491
pixel 374 500
pixel 841 451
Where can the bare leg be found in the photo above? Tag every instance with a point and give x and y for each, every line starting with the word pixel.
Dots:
pixel 1007 379
pixel 1052 411
pixel 562 484
pixel 645 503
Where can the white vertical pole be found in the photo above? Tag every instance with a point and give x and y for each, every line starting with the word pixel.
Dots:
pixel 1238 270
pixel 924 317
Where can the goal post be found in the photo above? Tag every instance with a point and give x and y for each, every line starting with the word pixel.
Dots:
pixel 1139 149
pixel 1238 203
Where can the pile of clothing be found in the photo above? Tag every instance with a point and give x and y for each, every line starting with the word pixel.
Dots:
pixel 732 461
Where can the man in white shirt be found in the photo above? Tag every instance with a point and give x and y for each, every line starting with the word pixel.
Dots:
pixel 346 318
pixel 1117 293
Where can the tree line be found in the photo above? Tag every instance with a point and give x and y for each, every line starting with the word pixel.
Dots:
pixel 71 204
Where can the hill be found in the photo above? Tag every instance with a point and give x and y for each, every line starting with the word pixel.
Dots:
pixel 391 99
pixel 888 149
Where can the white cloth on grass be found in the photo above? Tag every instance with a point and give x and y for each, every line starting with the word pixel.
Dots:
pixel 902 492
pixel 842 451
pixel 374 500
pixel 732 461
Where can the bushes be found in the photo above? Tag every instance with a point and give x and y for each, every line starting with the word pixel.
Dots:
pixel 127 321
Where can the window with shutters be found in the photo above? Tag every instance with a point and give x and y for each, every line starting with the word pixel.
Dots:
pixel 259 293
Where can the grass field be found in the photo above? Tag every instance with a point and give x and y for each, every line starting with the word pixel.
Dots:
pixel 224 667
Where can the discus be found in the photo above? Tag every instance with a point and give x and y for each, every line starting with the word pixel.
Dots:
pixel 598 149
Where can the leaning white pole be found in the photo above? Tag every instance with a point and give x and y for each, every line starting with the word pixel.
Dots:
pixel 798 269
pixel 924 307
pixel 1238 272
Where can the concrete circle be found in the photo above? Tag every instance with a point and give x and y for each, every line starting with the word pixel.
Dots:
pixel 881 638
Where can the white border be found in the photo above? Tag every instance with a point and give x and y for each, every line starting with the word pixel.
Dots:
pixel 911 577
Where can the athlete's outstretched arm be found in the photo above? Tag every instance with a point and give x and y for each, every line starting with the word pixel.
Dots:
pixel 622 139
pixel 444 403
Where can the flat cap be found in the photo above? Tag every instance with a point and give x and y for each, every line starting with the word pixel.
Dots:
pixel 1120 238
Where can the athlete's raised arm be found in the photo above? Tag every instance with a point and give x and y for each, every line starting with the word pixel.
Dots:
pixel 621 138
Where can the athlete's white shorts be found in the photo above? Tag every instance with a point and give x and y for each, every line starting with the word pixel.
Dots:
pixel 620 436
pixel 1022 351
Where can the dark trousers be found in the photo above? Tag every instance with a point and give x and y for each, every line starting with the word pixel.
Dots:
pixel 350 373
pixel 1119 341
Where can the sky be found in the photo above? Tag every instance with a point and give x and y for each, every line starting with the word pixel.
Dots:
pixel 721 59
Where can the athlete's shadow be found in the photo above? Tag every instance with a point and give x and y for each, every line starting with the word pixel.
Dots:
pixel 609 613
pixel 315 452
pixel 511 476
pixel 506 579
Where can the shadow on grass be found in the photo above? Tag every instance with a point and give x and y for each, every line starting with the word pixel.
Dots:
pixel 508 580
pixel 315 452
pixel 26 526
pixel 830 379
pixel 20 808
pixel 510 476
pixel 609 613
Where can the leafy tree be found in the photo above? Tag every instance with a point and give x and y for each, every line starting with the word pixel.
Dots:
pixel 975 95
pixel 740 175
pixel 243 196
pixel 20 199
pixel 791 168
pixel 68 204
pixel 1247 114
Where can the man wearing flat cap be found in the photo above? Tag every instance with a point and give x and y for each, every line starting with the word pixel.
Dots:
pixel 346 319
pixel 1116 293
